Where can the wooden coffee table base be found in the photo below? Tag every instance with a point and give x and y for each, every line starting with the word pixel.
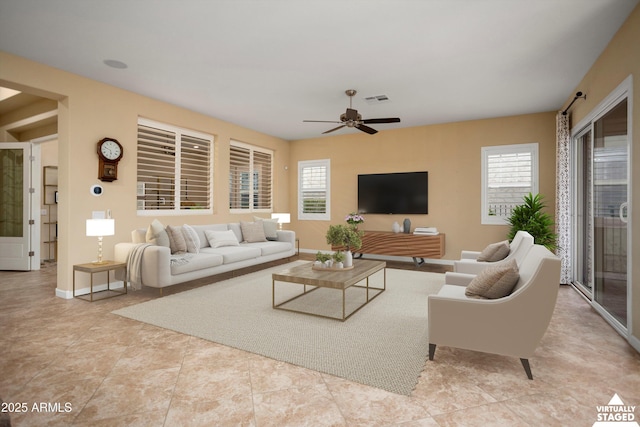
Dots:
pixel 338 280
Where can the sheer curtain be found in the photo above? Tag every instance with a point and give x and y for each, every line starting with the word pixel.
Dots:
pixel 563 195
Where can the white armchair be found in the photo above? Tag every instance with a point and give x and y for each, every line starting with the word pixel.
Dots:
pixel 518 248
pixel 509 326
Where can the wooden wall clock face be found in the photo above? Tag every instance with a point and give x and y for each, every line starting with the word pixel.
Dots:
pixel 110 152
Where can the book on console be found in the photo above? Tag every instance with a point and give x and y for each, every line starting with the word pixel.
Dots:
pixel 429 231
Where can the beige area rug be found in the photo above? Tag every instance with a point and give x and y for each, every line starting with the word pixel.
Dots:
pixel 384 345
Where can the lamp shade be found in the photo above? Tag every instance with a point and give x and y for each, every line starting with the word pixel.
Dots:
pixel 283 218
pixel 101 227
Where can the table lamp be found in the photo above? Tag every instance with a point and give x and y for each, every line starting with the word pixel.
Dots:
pixel 283 218
pixel 100 228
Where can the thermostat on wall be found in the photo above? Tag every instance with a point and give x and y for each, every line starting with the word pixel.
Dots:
pixel 96 190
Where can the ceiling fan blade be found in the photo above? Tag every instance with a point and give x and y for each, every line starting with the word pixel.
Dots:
pixel 387 120
pixel 331 130
pixel 351 114
pixel 321 121
pixel 366 129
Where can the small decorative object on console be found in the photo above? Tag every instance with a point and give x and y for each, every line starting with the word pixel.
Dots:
pixel 407 225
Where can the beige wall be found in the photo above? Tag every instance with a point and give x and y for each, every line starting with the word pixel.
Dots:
pixel 451 153
pixel 619 60
pixel 90 111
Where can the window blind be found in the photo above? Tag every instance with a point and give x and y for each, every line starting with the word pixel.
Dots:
pixel 250 178
pixel 164 153
pixel 509 174
pixel 314 190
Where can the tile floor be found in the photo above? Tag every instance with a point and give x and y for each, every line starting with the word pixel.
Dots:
pixel 112 371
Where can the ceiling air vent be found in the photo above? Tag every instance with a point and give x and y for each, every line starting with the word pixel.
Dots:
pixel 377 99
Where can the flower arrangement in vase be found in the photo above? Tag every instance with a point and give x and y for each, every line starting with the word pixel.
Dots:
pixel 354 219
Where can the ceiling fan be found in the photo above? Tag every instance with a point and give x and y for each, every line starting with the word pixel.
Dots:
pixel 352 119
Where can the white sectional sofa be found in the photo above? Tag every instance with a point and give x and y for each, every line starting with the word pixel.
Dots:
pixel 218 248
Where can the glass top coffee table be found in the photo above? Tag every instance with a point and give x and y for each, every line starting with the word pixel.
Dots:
pixel 339 280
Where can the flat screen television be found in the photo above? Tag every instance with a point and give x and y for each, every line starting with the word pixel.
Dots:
pixel 393 193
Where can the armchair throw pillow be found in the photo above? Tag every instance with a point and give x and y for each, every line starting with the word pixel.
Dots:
pixel 495 252
pixel 496 281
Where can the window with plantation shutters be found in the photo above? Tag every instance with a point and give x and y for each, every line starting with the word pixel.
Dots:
pixel 314 190
pixel 174 170
pixel 509 172
pixel 250 178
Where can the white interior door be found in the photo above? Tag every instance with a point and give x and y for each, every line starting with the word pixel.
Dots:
pixel 15 206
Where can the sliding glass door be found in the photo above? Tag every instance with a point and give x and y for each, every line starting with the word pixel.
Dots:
pixel 610 189
pixel 601 188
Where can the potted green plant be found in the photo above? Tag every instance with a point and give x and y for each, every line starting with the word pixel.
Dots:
pixel 347 237
pixel 336 235
pixel 322 258
pixel 338 259
pixel 530 217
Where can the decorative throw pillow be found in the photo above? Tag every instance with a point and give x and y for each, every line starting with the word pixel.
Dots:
pixel 235 227
pixel 495 252
pixel 494 282
pixel 253 232
pixel 270 227
pixel 157 235
pixel 191 239
pixel 177 243
pixel 218 239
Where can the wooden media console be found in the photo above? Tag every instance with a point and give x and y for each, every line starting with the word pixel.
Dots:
pixel 416 246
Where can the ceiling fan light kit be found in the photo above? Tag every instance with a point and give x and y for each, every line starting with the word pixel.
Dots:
pixel 352 119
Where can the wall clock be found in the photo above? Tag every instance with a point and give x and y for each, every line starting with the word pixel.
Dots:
pixel 110 152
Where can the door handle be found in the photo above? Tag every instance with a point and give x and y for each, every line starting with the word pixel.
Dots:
pixel 623 207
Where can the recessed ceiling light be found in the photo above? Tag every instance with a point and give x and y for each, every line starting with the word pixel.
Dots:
pixel 115 64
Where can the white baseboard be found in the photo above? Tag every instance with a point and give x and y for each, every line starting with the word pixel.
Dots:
pixel 389 257
pixel 635 342
pixel 65 294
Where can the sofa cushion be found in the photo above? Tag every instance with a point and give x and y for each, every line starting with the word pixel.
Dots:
pixel 218 239
pixel 191 239
pixel 233 254
pixel 270 227
pixel 495 252
pixel 157 235
pixel 252 231
pixel 186 263
pixel 270 248
pixel 496 281
pixel 177 243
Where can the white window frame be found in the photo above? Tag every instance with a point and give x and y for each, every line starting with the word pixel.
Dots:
pixel 253 149
pixel 326 216
pixel 494 218
pixel 178 209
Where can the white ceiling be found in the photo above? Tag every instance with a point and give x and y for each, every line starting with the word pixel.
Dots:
pixel 269 64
